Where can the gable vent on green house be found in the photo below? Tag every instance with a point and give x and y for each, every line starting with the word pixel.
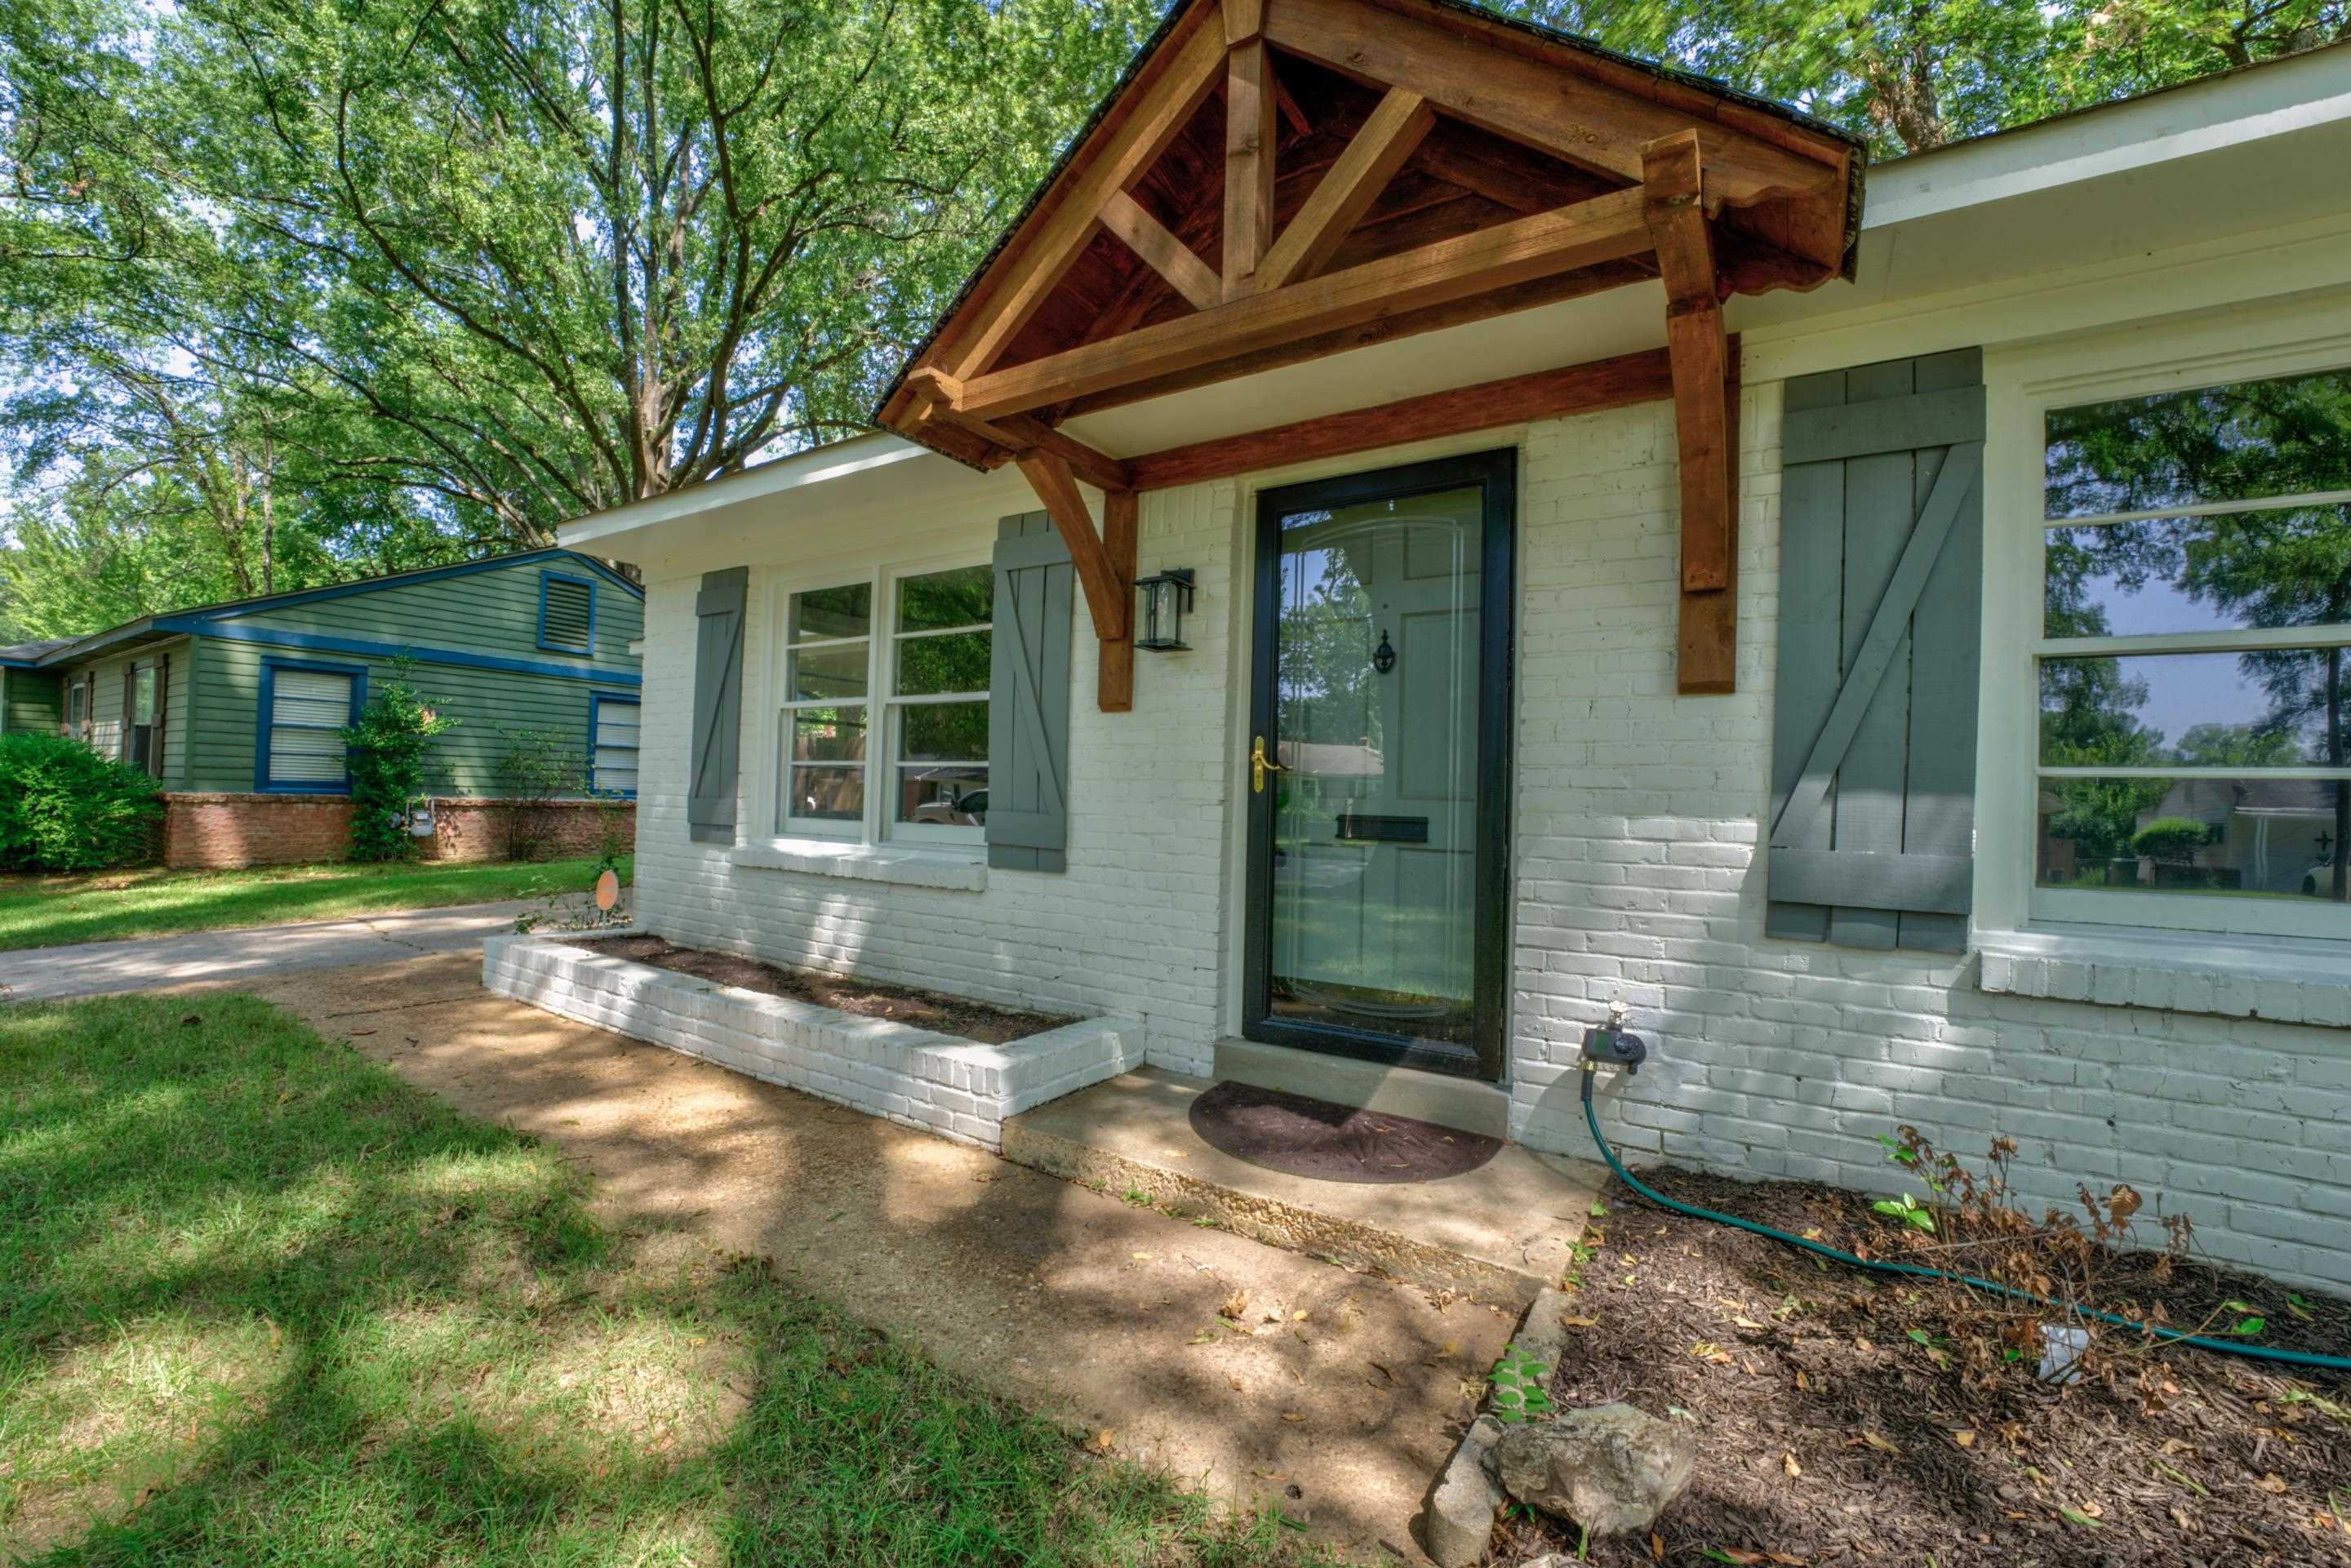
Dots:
pixel 566 614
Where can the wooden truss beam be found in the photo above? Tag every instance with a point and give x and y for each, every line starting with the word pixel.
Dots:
pixel 1250 118
pixel 1588 234
pixel 935 394
pixel 1572 116
pixel 1105 564
pixel 1674 190
pixel 1167 256
pixel 1059 234
pixel 1370 161
pixel 1643 377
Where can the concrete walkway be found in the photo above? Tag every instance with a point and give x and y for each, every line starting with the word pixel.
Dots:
pixel 1231 1365
pixel 144 963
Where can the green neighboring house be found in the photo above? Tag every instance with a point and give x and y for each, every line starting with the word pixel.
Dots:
pixel 234 707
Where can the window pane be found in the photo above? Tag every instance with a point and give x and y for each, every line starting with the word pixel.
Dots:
pixel 825 794
pixel 956 662
pixel 2236 443
pixel 616 771
pixel 832 613
pixel 143 697
pixel 818 675
pixel 938 599
pixel 943 732
pixel 2267 709
pixel 2276 838
pixel 616 725
pixel 306 757
pixel 829 735
pixel 953 794
pixel 309 697
pixel 2249 569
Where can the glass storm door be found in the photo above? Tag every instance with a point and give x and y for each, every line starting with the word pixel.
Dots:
pixel 1378 766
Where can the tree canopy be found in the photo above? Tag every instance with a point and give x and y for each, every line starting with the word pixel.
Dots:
pixel 296 290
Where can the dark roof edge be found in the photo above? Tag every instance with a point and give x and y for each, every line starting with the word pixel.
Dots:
pixel 75 650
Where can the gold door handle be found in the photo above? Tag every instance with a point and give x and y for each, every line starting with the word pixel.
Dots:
pixel 1261 764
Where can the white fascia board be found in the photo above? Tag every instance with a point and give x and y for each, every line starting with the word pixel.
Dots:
pixel 2254 104
pixel 608 532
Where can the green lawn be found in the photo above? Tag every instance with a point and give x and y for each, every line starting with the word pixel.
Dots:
pixel 262 1302
pixel 49 911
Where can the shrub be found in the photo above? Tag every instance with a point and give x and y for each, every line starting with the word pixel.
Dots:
pixel 2171 839
pixel 540 766
pixel 65 808
pixel 388 746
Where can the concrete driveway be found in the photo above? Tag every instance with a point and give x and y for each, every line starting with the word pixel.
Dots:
pixel 90 969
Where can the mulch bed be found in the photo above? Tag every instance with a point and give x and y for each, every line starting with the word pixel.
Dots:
pixel 1828 1433
pixel 867 999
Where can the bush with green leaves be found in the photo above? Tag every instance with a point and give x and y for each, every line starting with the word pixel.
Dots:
pixel 539 767
pixel 389 747
pixel 65 808
pixel 2173 840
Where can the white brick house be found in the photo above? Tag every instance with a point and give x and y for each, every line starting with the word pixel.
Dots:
pixel 2125 1017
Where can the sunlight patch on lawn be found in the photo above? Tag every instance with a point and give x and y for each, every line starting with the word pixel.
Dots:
pixel 95 1425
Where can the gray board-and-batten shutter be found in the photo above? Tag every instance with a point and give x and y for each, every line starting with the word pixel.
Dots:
pixel 715 760
pixel 1881 583
pixel 1029 687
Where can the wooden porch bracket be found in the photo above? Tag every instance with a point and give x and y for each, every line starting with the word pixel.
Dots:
pixel 1105 564
pixel 1674 203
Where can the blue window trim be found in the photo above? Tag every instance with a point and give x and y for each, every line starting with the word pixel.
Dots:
pixel 261 726
pixel 596 701
pixel 586 582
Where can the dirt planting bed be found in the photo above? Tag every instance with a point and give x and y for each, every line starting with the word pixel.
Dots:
pixel 1852 1418
pixel 867 999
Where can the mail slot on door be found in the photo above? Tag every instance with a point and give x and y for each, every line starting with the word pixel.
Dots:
pixel 1364 828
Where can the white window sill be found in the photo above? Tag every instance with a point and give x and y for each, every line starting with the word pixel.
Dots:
pixel 2282 979
pixel 958 869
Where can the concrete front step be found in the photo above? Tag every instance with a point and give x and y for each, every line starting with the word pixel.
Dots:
pixel 1500 1232
pixel 1437 1097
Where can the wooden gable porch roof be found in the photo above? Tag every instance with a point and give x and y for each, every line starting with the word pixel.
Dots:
pixel 1278 180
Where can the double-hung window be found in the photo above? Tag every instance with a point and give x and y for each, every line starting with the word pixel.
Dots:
pixel 305 709
pixel 612 744
pixel 2193 766
pixel 883 726
pixel 78 708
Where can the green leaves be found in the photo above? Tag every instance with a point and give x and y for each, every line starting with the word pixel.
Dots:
pixel 1906 1209
pixel 1516 1385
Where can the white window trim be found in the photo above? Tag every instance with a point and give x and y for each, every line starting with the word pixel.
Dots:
pixel 799 843
pixel 2023 386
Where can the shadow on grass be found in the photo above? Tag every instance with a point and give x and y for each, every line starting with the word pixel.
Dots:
pixel 262 1302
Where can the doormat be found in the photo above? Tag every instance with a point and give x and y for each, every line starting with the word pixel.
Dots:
pixel 1332 1143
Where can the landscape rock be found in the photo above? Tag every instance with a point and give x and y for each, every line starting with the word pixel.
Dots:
pixel 1610 1469
pixel 1458 1522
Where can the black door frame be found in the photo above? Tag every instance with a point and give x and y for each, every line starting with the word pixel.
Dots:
pixel 1496 472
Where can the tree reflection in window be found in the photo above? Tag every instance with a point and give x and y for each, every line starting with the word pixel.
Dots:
pixel 2253 483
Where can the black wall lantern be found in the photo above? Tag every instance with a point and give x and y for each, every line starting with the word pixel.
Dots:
pixel 1167 595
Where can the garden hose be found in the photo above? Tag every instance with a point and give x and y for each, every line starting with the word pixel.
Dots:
pixel 1917 1270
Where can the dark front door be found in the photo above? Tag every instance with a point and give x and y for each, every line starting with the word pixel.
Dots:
pixel 1380 763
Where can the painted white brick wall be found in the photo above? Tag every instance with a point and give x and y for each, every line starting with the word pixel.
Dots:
pixel 1637 814
pixel 1137 924
pixel 1636 878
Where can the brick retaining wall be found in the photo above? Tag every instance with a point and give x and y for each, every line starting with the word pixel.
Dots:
pixel 220 831
pixel 943 1083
